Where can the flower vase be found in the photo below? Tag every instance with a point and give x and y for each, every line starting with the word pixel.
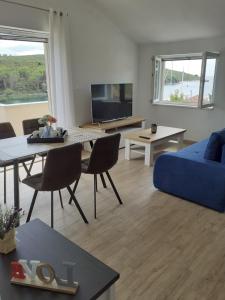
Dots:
pixel 47 131
pixel 8 243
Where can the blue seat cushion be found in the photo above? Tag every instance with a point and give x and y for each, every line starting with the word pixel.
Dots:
pixel 214 148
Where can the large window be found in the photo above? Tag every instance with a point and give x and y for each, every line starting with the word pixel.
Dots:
pixel 22 67
pixel 185 80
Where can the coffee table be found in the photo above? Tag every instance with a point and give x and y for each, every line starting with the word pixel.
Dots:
pixel 148 140
pixel 37 241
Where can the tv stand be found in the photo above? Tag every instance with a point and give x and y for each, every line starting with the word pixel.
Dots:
pixel 115 125
pixel 113 120
pixel 122 126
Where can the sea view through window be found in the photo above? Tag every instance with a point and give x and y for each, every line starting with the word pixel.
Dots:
pixel 187 81
pixel 22 72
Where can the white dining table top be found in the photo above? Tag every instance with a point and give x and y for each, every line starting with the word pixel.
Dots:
pixel 15 148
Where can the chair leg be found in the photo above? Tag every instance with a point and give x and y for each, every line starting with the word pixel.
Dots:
pixel 95 190
pixel 74 190
pixel 32 206
pixel 31 164
pixel 77 204
pixel 96 183
pixel 26 169
pixel 114 188
pixel 60 197
pixel 5 183
pixel 52 209
pixel 103 180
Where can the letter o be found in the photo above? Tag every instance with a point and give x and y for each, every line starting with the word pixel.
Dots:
pixel 41 276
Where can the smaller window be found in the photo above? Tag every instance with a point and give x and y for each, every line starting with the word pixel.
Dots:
pixel 185 80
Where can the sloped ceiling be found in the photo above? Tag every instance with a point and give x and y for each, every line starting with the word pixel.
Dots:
pixel 166 20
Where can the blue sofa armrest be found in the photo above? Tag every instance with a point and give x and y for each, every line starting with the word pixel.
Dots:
pixel 191 177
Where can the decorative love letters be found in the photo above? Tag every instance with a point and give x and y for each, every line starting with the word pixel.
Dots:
pixel 42 275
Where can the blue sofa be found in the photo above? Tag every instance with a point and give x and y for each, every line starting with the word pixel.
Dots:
pixel 188 175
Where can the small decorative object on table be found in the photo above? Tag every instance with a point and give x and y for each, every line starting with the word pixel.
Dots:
pixel 8 220
pixel 33 274
pixel 154 128
pixel 46 133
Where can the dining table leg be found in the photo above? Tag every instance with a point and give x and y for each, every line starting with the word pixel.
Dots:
pixel 16 187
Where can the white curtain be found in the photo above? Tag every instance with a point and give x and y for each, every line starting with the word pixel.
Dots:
pixel 59 70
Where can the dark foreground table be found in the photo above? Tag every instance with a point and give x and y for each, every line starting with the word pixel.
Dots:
pixel 37 241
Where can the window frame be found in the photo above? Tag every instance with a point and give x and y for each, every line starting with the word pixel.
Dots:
pixel 28 35
pixel 23 34
pixel 157 88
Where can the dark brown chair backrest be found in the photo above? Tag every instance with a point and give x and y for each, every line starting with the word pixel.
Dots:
pixel 62 167
pixel 6 130
pixel 30 125
pixel 104 154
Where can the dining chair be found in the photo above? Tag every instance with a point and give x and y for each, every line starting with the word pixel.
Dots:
pixel 62 168
pixel 29 126
pixel 103 157
pixel 7 131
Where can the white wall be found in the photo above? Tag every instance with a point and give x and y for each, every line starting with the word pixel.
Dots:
pixel 199 123
pixel 100 52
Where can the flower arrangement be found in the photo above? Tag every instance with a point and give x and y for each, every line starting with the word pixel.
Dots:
pixel 46 129
pixel 47 120
pixel 8 220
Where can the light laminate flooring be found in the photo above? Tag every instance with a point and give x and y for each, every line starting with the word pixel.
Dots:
pixel 162 246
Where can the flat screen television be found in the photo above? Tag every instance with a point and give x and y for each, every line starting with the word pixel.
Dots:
pixel 111 101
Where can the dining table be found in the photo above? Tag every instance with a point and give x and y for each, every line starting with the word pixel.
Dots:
pixel 15 148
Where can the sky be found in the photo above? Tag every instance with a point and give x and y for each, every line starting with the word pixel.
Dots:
pixel 18 48
pixel 192 66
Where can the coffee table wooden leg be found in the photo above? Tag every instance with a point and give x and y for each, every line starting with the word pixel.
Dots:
pixel 127 149
pixel 180 140
pixel 148 155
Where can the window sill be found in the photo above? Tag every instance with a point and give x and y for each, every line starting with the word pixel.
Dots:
pixel 161 103
pixel 181 106
pixel 23 104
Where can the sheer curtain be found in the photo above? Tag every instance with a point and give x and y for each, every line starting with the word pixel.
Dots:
pixel 59 70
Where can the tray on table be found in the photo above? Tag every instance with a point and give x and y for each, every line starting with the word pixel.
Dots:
pixel 56 139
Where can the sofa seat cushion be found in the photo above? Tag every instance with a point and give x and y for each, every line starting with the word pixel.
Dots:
pixel 193 152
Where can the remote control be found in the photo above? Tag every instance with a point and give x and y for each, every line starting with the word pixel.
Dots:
pixel 144 137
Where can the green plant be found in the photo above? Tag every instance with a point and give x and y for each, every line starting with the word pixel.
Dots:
pixel 177 96
pixel 9 218
pixel 8 93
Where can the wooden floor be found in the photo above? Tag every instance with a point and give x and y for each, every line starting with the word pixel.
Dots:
pixel 163 247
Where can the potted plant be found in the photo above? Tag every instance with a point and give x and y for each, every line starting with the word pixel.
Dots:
pixel 8 221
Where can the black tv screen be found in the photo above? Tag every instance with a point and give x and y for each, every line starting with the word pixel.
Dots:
pixel 111 101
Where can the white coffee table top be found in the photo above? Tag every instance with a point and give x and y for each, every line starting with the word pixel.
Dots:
pixel 145 135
